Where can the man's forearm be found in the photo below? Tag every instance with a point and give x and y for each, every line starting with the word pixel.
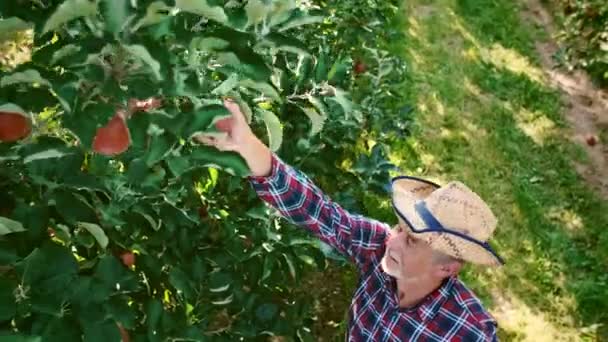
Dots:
pixel 257 155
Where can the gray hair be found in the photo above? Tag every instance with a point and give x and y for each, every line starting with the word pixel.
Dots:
pixel 443 258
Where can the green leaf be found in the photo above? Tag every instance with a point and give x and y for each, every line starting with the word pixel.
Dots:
pixel 154 310
pixel 8 226
pixel 62 329
pixel 301 20
pixel 19 338
pixel 281 11
pixel 178 165
pixel 290 266
pixel 316 119
pixel 230 162
pixel 202 120
pixel 284 43
pixel 97 233
pixel 33 77
pixel 7 299
pixel 318 104
pixel 269 262
pixel 273 127
pixel 321 68
pixel 48 154
pixel 181 282
pixel 245 61
pixel 49 268
pixel 338 71
pixel 266 312
pixel 113 276
pixel 256 11
pixel 65 51
pixel 70 10
pixel 10 25
pixel 202 8
pixel 63 233
pixel 72 206
pixel 262 87
pixel 160 147
pixel 341 98
pixel 29 76
pixel 115 13
pixel 226 86
pixel 155 13
pixel 142 53
pixel 209 43
pixel 101 331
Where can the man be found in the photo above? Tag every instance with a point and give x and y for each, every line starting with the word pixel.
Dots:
pixel 408 288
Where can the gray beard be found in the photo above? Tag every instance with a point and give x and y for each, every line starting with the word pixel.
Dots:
pixel 397 274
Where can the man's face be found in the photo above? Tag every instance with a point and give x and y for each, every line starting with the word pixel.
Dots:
pixel 407 258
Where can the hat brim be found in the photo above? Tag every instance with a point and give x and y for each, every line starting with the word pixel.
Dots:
pixel 406 192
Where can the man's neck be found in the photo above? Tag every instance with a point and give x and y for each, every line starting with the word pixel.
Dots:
pixel 412 292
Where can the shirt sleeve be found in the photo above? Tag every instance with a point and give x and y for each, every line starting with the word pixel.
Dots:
pixel 301 202
pixel 490 331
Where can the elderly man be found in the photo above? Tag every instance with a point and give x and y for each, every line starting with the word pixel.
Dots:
pixel 408 288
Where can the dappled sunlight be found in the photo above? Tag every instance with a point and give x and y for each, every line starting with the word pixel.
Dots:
pixel 456 23
pixel 566 218
pixel 413 27
pixel 511 60
pixel 535 125
pixel 437 105
pixel 527 324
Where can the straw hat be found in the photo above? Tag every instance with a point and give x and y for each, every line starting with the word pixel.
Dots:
pixel 452 219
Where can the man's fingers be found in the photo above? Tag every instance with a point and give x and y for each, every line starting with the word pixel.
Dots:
pixel 234 109
pixel 222 141
pixel 205 139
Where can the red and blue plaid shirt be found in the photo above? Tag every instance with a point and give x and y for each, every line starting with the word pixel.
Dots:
pixel 450 313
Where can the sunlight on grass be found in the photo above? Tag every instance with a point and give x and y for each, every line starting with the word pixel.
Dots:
pixel 535 125
pixel 511 60
pixel 526 323
pixel 566 218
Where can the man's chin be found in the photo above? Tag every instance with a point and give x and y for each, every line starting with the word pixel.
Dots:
pixel 389 269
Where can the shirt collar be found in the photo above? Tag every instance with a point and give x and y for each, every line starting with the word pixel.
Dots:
pixel 429 307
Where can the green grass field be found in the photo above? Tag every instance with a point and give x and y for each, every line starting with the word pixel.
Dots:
pixel 485 115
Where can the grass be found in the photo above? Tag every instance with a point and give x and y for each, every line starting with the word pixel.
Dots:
pixel 486 116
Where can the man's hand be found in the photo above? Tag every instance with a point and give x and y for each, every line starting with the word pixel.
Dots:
pixel 240 138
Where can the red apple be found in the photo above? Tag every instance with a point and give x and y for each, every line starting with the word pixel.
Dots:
pixel 359 67
pixel 113 138
pixel 591 140
pixel 224 125
pixel 128 259
pixel 124 334
pixel 14 126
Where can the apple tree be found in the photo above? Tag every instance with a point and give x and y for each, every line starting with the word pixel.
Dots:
pixel 113 223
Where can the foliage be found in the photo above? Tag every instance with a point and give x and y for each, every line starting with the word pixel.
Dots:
pixel 113 221
pixel 585 34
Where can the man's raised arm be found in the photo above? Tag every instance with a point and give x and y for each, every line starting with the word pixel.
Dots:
pixel 297 197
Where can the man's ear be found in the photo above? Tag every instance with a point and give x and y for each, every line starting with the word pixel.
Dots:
pixel 447 269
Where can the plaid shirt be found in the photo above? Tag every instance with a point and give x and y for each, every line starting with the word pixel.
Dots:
pixel 450 313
